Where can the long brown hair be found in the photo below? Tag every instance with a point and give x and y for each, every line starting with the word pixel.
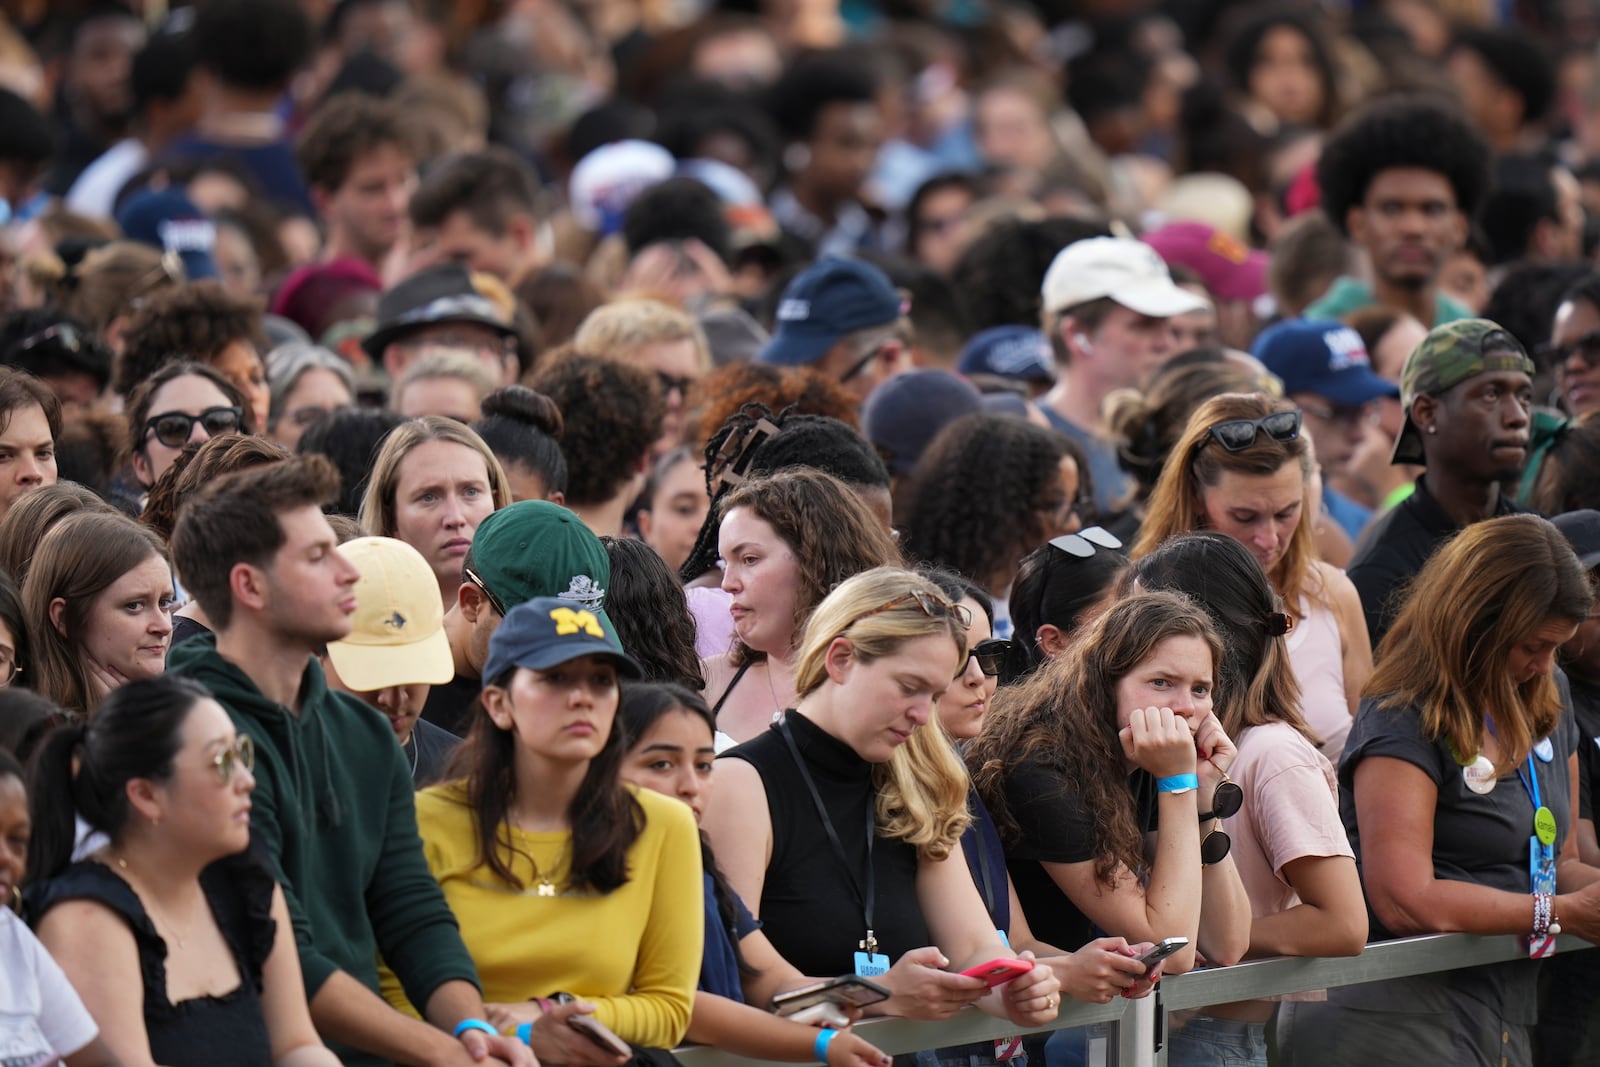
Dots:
pixel 831 532
pixel 1194 466
pixel 1448 653
pixel 78 559
pixel 605 817
pixel 1064 717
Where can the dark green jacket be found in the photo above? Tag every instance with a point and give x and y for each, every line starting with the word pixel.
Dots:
pixel 333 804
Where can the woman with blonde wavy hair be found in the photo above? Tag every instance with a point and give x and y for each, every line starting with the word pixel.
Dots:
pixel 1244 468
pixel 433 481
pixel 848 858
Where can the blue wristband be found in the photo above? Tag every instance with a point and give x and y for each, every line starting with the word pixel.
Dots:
pixel 525 1033
pixel 819 1048
pixel 1178 783
pixel 473 1024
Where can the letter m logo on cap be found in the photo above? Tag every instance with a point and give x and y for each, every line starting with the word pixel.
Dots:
pixel 569 621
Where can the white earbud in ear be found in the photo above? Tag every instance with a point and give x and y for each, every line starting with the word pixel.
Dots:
pixel 1083 341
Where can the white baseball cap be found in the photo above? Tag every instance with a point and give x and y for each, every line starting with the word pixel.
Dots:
pixel 1122 269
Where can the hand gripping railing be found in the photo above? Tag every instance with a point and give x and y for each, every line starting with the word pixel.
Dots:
pixel 1132 1036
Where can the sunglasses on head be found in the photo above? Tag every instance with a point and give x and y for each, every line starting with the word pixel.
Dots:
pixel 932 606
pixel 174 428
pixel 494 602
pixel 1083 543
pixel 991 655
pixel 1236 435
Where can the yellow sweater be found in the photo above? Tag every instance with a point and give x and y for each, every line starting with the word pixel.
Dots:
pixel 634 952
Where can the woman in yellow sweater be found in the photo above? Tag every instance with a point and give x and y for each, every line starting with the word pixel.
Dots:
pixel 563 878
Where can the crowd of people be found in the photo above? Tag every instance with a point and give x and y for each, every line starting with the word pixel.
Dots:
pixel 544 532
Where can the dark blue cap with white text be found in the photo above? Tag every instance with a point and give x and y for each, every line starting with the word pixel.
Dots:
pixel 831 298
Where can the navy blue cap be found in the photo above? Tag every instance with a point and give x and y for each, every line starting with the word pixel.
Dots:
pixel 1582 531
pixel 546 631
pixel 905 413
pixel 1018 352
pixel 169 220
pixel 829 299
pixel 1323 357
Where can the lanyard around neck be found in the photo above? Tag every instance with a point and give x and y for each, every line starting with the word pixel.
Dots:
pixel 866 899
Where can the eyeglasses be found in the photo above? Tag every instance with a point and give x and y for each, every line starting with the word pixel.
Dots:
pixel 1225 803
pixel 494 602
pixel 168 270
pixel 174 428
pixel 9 668
pixel 932 606
pixel 1586 348
pixel 242 753
pixel 1083 543
pixel 1081 505
pixel 1236 435
pixel 991 655
pixel 63 335
pixel 862 364
pixel 311 414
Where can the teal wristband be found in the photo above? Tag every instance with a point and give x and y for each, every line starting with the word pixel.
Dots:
pixel 525 1033
pixel 1178 783
pixel 473 1024
pixel 819 1048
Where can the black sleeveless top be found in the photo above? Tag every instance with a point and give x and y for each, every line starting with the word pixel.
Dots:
pixel 204 1031
pixel 809 910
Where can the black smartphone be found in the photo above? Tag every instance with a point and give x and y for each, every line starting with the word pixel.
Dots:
pixel 1162 950
pixel 599 1033
pixel 848 990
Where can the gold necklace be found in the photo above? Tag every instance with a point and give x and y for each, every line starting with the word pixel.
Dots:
pixel 177 937
pixel 544 885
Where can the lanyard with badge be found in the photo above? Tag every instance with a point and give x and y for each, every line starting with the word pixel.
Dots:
pixel 869 961
pixel 1541 848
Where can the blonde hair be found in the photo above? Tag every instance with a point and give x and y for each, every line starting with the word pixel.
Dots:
pixel 111 278
pixel 1490 587
pixel 446 363
pixel 377 507
pixel 1194 465
pixel 922 790
pixel 619 329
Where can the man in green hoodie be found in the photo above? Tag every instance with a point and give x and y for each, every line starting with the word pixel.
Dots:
pixel 333 797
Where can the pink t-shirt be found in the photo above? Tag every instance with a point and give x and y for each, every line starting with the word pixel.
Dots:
pixel 1291 810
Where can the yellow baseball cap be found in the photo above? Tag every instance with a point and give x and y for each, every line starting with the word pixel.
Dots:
pixel 397 633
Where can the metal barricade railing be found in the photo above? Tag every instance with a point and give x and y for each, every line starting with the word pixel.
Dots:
pixel 1131 1042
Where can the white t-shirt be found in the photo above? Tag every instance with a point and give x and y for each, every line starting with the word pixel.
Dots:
pixel 41 1017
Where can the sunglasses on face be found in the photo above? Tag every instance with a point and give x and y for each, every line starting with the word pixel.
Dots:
pixel 1225 803
pixel 670 382
pixel 932 606
pixel 1084 543
pixel 991 656
pixel 242 753
pixel 1586 348
pixel 174 428
pixel 1236 435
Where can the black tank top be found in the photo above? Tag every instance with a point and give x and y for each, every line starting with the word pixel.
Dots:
pixel 809 911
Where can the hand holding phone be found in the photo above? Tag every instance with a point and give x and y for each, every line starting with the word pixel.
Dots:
pixel 844 992
pixel 999 971
pixel 1161 951
pixel 600 1035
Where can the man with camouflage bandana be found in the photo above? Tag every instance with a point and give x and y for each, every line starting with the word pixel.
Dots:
pixel 1467 391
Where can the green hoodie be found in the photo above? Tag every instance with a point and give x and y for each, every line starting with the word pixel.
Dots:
pixel 334 805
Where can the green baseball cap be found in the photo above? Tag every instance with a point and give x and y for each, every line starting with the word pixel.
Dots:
pixel 534 548
pixel 1448 356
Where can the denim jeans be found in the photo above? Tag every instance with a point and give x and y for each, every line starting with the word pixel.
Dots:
pixel 1208 1042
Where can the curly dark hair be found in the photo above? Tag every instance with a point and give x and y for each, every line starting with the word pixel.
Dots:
pixel 343 129
pixel 195 321
pixel 979 498
pixel 612 412
pixel 252 44
pixel 1524 302
pixel 813 81
pixel 1064 718
pixel 1252 28
pixel 1000 273
pixel 1518 60
pixel 1406 131
pixel 647 605
pixel 351 439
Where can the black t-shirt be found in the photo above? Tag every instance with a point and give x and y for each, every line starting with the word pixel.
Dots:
pixel 1057 828
pixel 449 706
pixel 428 751
pixel 1395 547
pixel 1586 710
pixel 808 908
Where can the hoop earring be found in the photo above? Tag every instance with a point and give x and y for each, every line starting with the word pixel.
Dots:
pixel 16 899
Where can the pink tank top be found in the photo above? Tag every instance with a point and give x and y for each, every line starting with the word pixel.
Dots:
pixel 1317 655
